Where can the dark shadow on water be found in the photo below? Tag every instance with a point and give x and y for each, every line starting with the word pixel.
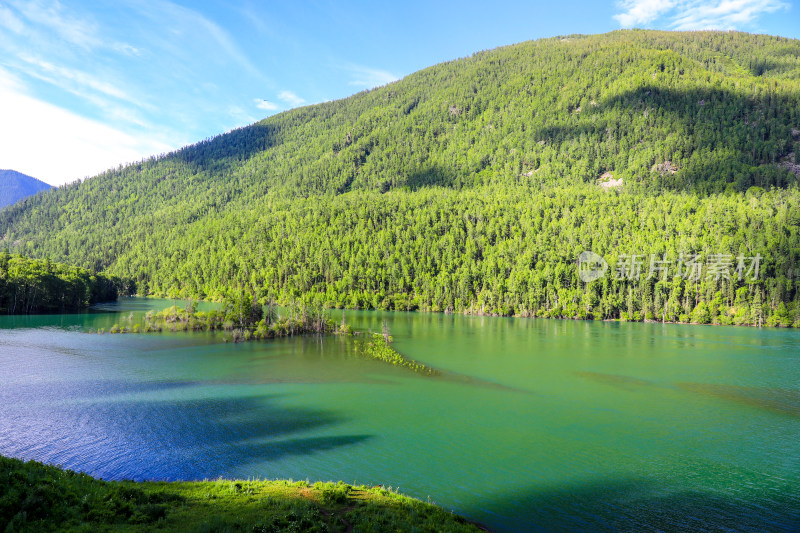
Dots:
pixel 464 379
pixel 615 380
pixel 303 446
pixel 640 505
pixel 144 438
pixel 776 400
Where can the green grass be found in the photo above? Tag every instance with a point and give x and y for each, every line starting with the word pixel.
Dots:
pixel 377 346
pixel 36 497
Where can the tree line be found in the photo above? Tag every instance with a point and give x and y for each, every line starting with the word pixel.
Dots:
pixel 41 286
pixel 494 251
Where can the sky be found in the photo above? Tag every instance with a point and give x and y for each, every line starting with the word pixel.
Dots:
pixel 89 85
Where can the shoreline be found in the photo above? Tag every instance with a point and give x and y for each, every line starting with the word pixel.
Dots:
pixel 469 312
pixel 39 496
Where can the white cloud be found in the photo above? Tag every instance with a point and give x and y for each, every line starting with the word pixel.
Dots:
pixel 642 11
pixel 369 77
pixel 266 105
pixel 95 87
pixel 127 49
pixel 696 14
pixel 117 105
pixel 51 36
pixel 57 146
pixel 290 98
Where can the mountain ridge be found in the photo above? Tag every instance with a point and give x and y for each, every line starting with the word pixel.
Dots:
pixel 697 118
pixel 14 186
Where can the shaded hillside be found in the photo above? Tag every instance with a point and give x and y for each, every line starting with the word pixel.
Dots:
pixel 473 184
pixel 14 186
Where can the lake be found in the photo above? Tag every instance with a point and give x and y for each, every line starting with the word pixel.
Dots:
pixel 535 425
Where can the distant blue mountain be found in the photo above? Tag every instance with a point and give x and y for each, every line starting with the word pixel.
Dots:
pixel 14 186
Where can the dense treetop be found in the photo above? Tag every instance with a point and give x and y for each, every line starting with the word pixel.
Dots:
pixel 473 185
pixel 40 286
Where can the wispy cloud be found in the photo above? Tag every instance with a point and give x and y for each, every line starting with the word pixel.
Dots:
pixel 266 105
pixel 65 50
pixel 219 35
pixel 64 76
pixel 10 21
pixel 54 17
pixel 241 115
pixel 173 25
pixel 144 73
pixel 76 146
pixel 369 77
pixel 290 98
pixel 126 49
pixel 695 14
pixel 728 14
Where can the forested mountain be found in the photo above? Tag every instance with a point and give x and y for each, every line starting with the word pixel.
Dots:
pixel 14 186
pixel 474 185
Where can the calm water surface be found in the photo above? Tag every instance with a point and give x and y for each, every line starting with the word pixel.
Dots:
pixel 536 425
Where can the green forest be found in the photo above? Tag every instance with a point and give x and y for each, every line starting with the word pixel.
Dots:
pixel 40 286
pixel 473 186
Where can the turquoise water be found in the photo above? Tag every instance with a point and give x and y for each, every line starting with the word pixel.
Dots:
pixel 536 425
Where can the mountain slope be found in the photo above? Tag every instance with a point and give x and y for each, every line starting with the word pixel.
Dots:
pixel 473 185
pixel 14 186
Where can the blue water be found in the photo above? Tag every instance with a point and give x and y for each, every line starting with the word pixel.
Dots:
pixel 536 425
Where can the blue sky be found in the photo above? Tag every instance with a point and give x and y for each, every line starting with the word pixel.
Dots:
pixel 87 85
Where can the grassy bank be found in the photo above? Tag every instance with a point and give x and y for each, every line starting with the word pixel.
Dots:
pixel 37 497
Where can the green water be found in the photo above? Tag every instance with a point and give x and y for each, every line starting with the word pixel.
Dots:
pixel 535 425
